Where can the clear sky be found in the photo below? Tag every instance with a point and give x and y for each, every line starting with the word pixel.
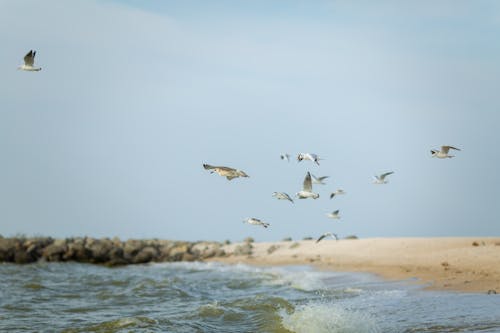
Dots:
pixel 133 97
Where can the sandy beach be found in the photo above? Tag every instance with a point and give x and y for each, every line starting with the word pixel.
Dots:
pixel 455 264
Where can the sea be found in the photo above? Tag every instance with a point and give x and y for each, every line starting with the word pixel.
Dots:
pixel 214 297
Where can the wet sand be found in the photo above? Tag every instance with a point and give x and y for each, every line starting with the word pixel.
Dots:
pixel 469 264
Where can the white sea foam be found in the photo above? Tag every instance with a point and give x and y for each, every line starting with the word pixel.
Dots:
pixel 328 318
pixel 300 280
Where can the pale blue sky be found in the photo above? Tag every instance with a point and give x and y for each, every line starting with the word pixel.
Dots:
pixel 110 137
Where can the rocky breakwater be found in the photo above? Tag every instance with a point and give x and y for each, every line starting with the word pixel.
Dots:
pixel 105 251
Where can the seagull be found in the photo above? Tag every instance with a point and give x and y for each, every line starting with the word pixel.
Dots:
pixel 318 180
pixel 337 192
pixel 307 189
pixel 381 179
pixel 227 172
pixel 282 196
pixel 254 221
pixel 285 157
pixel 308 156
pixel 29 60
pixel 443 153
pixel 334 215
pixel 326 234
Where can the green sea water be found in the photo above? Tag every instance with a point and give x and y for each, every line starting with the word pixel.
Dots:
pixel 212 297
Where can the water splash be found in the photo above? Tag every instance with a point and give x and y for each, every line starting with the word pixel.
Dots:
pixel 328 318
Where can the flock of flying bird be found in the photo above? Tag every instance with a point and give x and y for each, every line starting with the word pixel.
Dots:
pixel 309 180
pixel 305 193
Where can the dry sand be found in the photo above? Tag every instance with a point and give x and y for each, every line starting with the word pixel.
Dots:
pixel 459 264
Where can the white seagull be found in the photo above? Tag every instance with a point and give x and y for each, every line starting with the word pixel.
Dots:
pixel 285 157
pixel 308 156
pixel 227 172
pixel 307 189
pixel 254 221
pixel 29 61
pixel 327 234
pixel 443 153
pixel 334 215
pixel 337 192
pixel 381 178
pixel 318 180
pixel 282 196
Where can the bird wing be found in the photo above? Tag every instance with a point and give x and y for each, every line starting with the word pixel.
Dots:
pixel 308 183
pixel 323 178
pixel 29 58
pixel 445 149
pixel 335 212
pixel 222 168
pixel 382 176
pixel 332 195
pixel 320 238
pixel 226 169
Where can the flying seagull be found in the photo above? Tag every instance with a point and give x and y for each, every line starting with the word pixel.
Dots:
pixel 307 189
pixel 282 196
pixel 227 172
pixel 254 221
pixel 334 215
pixel 29 61
pixel 285 157
pixel 381 178
pixel 327 234
pixel 337 192
pixel 318 180
pixel 308 156
pixel 443 153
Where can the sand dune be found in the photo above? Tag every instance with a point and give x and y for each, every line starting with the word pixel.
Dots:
pixel 461 264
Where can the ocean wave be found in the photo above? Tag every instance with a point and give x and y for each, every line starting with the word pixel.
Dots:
pixel 327 318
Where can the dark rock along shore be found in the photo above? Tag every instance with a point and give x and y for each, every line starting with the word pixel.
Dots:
pixel 106 251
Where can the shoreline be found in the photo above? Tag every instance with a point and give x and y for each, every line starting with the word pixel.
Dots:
pixel 464 264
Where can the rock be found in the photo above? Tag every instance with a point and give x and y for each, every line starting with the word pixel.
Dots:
pixel 188 257
pixel 99 250
pixel 147 254
pixel 204 250
pixel 116 254
pixel 131 248
pixel 106 251
pixel 7 249
pixel 55 251
pixel 77 251
pixel 177 252
pixel 23 257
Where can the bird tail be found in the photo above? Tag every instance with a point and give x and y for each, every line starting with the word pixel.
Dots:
pixel 207 166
